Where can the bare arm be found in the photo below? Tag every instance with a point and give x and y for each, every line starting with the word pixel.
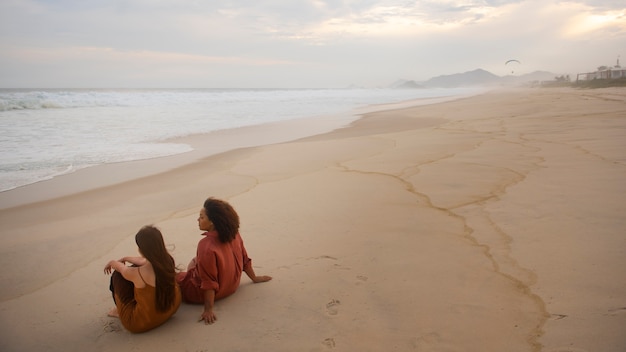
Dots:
pixel 209 299
pixel 129 273
pixel 138 261
pixel 256 279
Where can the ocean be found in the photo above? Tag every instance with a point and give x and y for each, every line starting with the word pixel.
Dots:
pixel 50 132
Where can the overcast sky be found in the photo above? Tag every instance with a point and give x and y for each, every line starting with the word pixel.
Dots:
pixel 297 43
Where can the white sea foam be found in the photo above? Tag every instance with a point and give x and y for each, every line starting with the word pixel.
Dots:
pixel 46 133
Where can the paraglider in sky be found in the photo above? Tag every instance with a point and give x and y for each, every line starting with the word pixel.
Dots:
pixel 512 62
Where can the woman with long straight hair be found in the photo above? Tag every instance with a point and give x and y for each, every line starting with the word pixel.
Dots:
pixel 145 293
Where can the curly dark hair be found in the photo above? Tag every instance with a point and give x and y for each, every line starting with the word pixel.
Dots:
pixel 150 242
pixel 223 217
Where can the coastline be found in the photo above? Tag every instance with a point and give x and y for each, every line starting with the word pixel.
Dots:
pixel 204 145
pixel 493 221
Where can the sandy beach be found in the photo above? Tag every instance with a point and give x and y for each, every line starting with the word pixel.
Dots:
pixel 489 223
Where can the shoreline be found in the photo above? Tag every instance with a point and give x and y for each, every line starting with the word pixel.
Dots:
pixel 494 221
pixel 204 145
pixel 73 192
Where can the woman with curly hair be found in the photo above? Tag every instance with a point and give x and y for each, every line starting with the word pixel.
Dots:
pixel 146 293
pixel 220 259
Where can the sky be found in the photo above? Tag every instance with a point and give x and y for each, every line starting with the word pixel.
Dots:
pixel 297 43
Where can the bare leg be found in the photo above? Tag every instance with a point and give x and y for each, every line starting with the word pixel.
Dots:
pixel 192 264
pixel 113 313
pixel 123 292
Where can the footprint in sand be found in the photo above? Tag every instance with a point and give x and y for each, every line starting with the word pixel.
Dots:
pixel 332 307
pixel 112 326
pixel 616 311
pixel 329 342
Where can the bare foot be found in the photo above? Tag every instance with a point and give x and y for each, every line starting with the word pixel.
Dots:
pixel 113 313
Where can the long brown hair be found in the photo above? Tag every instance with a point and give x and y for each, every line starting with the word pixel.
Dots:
pixel 223 217
pixel 150 242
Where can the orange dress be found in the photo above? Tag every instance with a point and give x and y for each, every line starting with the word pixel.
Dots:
pixel 140 314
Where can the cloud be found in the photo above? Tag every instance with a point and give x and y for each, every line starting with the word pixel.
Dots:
pixel 296 43
pixel 601 23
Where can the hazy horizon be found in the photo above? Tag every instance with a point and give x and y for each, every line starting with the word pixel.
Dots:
pixel 297 44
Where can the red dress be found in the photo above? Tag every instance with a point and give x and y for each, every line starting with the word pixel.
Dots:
pixel 218 267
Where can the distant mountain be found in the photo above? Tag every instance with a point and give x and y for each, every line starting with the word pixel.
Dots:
pixel 478 77
pixel 403 84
